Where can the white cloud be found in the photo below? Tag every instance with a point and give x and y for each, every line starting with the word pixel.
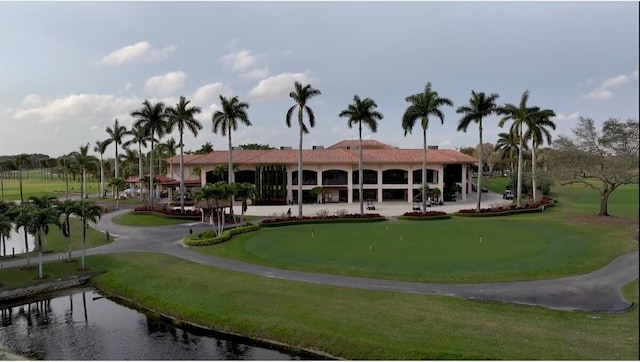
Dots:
pixel 209 93
pixel 562 117
pixel 256 74
pixel 599 95
pixel 278 86
pixel 634 75
pixel 166 83
pixel 141 51
pixel 93 128
pixel 84 106
pixel 31 100
pixel 239 60
pixel 615 81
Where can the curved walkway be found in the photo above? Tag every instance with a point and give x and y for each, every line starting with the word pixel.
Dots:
pixel 596 291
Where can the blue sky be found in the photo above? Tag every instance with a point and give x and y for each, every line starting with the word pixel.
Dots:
pixel 67 70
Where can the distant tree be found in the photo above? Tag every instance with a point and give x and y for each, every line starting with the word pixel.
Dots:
pixel 538 131
pixel 244 192
pixel 206 148
pixel 101 148
pixel 480 106
pixel 6 223
pixel 116 135
pixel 82 159
pixel 256 146
pixel 471 151
pixel 87 211
pixel 602 160
pixel 139 137
pixel 507 145
pixel 422 105
pixel 359 112
pixel 65 209
pixel 118 184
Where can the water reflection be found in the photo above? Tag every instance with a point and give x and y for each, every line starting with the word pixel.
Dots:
pixel 15 243
pixel 52 329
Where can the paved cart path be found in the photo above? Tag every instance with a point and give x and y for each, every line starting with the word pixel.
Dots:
pixel 595 291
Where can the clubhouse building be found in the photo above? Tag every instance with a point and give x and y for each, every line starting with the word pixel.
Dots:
pixel 389 173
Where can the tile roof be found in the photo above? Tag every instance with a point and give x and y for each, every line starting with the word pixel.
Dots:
pixel 374 153
pixel 366 144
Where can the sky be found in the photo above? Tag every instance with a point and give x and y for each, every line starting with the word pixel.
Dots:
pixel 69 69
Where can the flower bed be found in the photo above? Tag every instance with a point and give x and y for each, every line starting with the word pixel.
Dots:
pixel 322 219
pixel 176 214
pixel 545 202
pixel 428 215
pixel 210 238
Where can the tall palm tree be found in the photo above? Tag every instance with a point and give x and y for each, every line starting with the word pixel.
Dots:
pixel 362 111
pixel 40 215
pixel 64 163
pixel 301 95
pixel 423 105
pixel 537 132
pixel 153 119
pixel 88 211
pixel 117 184
pixel 182 117
pixel 65 209
pixel 245 191
pixel 507 144
pixel 6 223
pixel 116 135
pixel 82 159
pixel 42 202
pixel 21 161
pixel 139 137
pixel 519 115
pixel 480 106
pixel 101 148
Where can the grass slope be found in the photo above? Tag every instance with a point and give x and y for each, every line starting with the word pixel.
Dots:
pixel 134 219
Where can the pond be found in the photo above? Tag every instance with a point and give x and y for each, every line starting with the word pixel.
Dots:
pixel 81 324
pixel 15 243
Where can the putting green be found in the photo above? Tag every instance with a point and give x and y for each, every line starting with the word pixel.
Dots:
pixel 456 250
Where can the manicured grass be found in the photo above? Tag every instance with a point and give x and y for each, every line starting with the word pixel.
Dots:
pixel 135 219
pixel 15 278
pixel 57 243
pixel 34 185
pixel 359 324
pixel 440 251
pixel 494 184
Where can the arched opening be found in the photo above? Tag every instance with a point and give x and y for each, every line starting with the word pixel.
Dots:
pixel 308 177
pixel 246 176
pixel 395 177
pixel 432 176
pixel 334 177
pixel 369 177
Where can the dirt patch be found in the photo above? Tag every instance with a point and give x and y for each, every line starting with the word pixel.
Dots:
pixel 601 220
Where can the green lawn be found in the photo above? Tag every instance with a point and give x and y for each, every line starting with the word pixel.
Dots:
pixel 34 185
pixel 359 324
pixel 135 219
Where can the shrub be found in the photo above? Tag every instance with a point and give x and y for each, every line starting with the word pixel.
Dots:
pixel 531 206
pixel 209 237
pixel 342 212
pixel 317 219
pixel 323 214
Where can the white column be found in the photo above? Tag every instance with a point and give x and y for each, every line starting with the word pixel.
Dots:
pixel 410 186
pixel 289 183
pixel 441 180
pixel 350 185
pixel 380 183
pixel 464 182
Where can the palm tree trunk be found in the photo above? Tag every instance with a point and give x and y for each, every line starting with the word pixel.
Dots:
pixel 231 176
pixel 84 237
pixel 181 175
pixel 151 174
pixel 68 237
pixel 26 238
pixel 66 181
pixel 101 177
pixel 40 274
pixel 360 171
pixel 533 169
pixel 480 168
pixel 140 170
pixel 520 161
pixel 424 171
pixel 300 169
pixel 2 187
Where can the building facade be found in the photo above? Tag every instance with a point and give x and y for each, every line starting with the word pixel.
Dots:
pixel 389 173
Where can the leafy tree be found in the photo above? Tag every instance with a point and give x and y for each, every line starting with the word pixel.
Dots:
pixel 537 132
pixel 139 137
pixel 301 95
pixel 116 135
pixel 206 148
pixel 480 106
pixel 152 118
pixel 601 160
pixel 422 105
pixel 519 115
pixel 65 209
pixel 362 111
pixel 6 223
pixel 82 159
pixel 245 191
pixel 470 151
pixel 101 148
pixel 213 195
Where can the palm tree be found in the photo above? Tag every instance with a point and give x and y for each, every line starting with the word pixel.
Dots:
pixel 245 191
pixel 82 160
pixel 65 164
pixel 117 184
pixel 88 211
pixel 213 194
pixel 40 215
pixel 422 106
pixel 140 138
pixel 480 106
pixel 6 223
pixel 44 202
pixel 153 119
pixel 519 115
pixel 362 111
pixel 65 209
pixel 182 117
pixel 507 144
pixel 301 95
pixel 128 159
pixel 20 161
pixel 206 148
pixel 116 135
pixel 101 148
pixel 537 132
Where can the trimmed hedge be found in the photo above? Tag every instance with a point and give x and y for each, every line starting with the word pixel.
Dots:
pixel 322 221
pixel 226 235
pixel 161 214
pixel 421 218
pixel 507 212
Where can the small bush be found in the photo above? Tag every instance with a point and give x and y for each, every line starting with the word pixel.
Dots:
pixel 323 214
pixel 341 212
pixel 209 237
